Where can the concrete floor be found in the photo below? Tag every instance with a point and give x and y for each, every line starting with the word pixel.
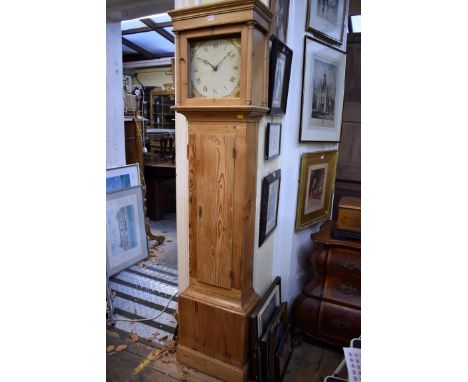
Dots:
pixel 167 251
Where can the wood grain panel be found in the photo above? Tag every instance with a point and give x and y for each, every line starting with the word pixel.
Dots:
pixel 239 184
pixel 209 330
pixel 192 184
pixel 214 166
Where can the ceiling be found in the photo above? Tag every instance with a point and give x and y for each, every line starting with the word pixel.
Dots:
pixel 119 10
pixel 147 38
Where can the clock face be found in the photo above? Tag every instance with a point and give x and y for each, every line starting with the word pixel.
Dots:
pixel 215 68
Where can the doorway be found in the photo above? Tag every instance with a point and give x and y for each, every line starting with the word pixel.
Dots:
pixel 145 295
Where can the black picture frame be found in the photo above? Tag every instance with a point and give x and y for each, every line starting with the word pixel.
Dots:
pixel 270 339
pixel 279 23
pixel 259 320
pixel 269 205
pixel 279 74
pixel 273 140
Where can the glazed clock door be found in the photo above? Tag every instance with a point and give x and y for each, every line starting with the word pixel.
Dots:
pixel 211 175
pixel 215 68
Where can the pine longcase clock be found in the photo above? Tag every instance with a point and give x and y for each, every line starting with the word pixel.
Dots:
pixel 221 89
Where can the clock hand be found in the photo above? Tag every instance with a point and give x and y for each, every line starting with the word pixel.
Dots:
pixel 219 63
pixel 205 61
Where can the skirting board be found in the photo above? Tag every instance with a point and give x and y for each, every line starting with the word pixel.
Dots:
pixel 211 366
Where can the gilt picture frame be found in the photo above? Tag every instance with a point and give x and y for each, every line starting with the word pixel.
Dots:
pixel 322 93
pixel 279 74
pixel 126 241
pixel 316 187
pixel 272 140
pixel 327 18
pixel 269 205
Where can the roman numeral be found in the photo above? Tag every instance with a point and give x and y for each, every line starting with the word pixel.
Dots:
pixel 197 80
pixel 215 92
pixel 205 89
pixel 196 70
pixel 215 45
pixel 232 79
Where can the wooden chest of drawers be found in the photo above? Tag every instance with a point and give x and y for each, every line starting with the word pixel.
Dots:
pixel 329 306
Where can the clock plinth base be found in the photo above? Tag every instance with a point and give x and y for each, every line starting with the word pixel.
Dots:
pixel 211 366
pixel 214 334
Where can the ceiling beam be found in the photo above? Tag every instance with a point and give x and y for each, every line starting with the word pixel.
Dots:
pixel 141 57
pixel 137 48
pixel 150 23
pixel 147 29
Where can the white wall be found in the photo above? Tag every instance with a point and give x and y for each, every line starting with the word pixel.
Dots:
pixel 115 137
pixel 286 252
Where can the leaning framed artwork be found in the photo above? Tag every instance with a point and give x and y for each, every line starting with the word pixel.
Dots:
pixel 272 140
pixel 327 17
pixel 126 241
pixel 316 186
pixel 322 93
pixel 121 178
pixel 269 205
pixel 259 320
pixel 280 71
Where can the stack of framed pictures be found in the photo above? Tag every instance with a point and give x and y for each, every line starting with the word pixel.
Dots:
pixel 126 241
pixel 271 336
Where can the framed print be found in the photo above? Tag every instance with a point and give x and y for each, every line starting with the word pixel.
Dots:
pixel 280 71
pixel 322 93
pixel 126 241
pixel 269 205
pixel 279 24
pixel 121 178
pixel 272 140
pixel 327 17
pixel 316 186
pixel 259 320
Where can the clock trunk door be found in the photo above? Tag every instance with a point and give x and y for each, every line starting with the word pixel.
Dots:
pixel 212 172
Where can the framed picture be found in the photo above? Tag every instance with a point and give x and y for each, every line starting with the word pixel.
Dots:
pixel 121 178
pixel 259 321
pixel 272 140
pixel 125 229
pixel 322 93
pixel 316 186
pixel 279 24
pixel 269 205
pixel 327 17
pixel 270 341
pixel 280 71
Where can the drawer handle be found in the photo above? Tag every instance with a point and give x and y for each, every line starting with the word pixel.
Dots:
pixel 350 266
pixel 340 324
pixel 346 289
